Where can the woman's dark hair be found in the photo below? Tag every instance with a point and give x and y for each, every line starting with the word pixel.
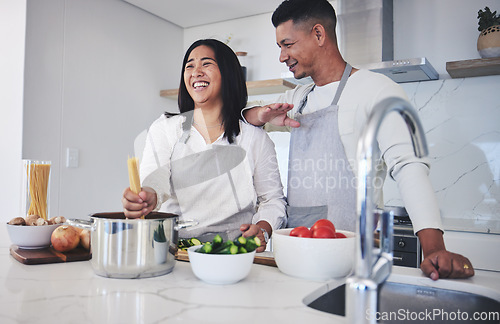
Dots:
pixel 233 88
pixel 299 11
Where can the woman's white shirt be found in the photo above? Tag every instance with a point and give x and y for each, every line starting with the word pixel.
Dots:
pixel 163 135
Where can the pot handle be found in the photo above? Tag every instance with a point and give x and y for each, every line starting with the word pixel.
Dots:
pixel 185 224
pixel 81 223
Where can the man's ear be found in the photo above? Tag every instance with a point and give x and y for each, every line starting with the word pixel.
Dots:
pixel 319 33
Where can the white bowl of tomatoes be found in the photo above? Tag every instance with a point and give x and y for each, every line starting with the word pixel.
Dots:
pixel 315 253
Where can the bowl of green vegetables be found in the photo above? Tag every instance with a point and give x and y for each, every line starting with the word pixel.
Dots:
pixel 223 262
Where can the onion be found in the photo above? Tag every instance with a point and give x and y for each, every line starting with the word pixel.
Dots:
pixel 65 238
pixel 85 239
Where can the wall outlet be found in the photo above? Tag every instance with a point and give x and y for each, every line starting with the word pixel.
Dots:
pixel 71 157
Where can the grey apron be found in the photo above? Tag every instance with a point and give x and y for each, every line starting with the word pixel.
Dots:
pixel 321 182
pixel 215 174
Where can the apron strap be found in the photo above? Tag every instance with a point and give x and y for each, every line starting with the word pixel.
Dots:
pixel 343 81
pixel 304 101
pixel 186 130
pixel 186 126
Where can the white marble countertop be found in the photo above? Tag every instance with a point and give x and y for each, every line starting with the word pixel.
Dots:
pixel 72 293
pixel 482 226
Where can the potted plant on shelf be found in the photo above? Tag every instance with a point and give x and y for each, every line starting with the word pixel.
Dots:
pixel 488 42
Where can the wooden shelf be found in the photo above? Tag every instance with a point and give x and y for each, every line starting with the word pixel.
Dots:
pixel 171 93
pixel 253 88
pixel 268 86
pixel 473 68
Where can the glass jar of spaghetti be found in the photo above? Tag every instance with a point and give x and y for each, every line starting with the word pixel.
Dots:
pixel 35 189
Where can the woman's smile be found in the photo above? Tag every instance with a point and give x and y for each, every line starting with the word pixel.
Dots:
pixel 200 85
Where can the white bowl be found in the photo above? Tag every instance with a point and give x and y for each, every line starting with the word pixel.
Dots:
pixel 220 269
pixel 313 258
pixel 31 237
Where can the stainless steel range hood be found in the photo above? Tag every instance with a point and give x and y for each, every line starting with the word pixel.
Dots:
pixel 408 70
pixel 370 45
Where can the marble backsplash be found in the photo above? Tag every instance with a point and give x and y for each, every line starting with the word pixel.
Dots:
pixel 461 118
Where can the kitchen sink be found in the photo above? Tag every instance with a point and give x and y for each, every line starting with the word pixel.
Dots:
pixel 411 303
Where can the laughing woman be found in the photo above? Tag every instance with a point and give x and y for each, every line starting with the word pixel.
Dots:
pixel 206 164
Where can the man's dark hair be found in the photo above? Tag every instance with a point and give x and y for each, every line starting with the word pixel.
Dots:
pixel 308 11
pixel 233 87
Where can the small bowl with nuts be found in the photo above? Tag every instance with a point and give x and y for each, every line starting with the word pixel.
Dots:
pixel 32 231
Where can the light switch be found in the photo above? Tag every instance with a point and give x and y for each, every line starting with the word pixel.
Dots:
pixel 71 157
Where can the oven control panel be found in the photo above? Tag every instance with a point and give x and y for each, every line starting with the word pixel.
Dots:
pixel 407 251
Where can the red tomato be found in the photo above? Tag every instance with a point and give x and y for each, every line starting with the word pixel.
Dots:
pixel 304 233
pixel 339 235
pixel 301 231
pixel 296 230
pixel 323 223
pixel 323 232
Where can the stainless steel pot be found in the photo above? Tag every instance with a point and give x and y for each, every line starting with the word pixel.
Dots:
pixel 132 248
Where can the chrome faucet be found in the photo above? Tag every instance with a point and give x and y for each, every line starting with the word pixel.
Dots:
pixel 369 273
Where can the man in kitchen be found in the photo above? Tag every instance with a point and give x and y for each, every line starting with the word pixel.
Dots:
pixel 326 119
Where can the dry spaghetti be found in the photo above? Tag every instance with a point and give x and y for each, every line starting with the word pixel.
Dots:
pixel 38 182
pixel 133 175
